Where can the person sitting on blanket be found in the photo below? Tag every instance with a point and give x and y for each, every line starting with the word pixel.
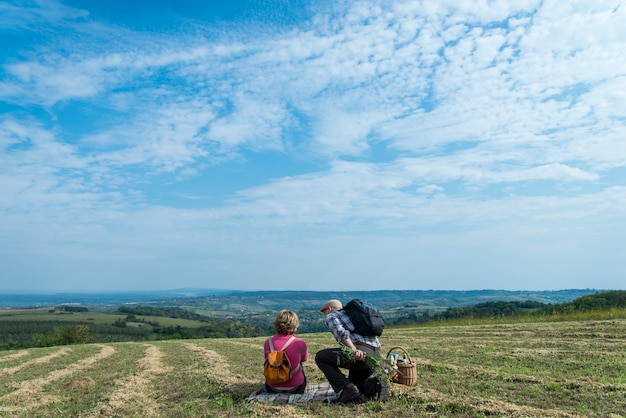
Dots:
pixel 286 325
pixel 360 383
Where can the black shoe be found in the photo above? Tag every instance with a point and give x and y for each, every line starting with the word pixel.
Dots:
pixel 349 394
pixel 371 388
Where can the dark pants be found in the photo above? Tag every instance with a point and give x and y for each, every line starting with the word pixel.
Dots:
pixel 299 389
pixel 329 360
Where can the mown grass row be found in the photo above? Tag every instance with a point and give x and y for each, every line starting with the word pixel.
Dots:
pixel 574 368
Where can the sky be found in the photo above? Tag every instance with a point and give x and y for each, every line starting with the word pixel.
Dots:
pixel 312 145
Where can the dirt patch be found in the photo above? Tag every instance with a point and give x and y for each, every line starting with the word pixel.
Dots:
pixel 81 382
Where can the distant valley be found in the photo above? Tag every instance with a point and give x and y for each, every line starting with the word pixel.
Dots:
pixel 28 320
pixel 259 307
pixel 220 300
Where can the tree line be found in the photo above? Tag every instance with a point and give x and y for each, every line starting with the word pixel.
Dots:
pixel 597 301
pixel 46 333
pixel 171 312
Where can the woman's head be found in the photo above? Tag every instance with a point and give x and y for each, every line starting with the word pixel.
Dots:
pixel 286 322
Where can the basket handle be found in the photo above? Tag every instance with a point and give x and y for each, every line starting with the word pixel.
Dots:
pixel 408 356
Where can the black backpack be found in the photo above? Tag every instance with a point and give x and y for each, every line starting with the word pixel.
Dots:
pixel 366 318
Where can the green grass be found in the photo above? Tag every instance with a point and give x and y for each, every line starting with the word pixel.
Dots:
pixel 559 368
pixel 93 383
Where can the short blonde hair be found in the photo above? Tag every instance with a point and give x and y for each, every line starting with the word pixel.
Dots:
pixel 286 322
pixel 334 303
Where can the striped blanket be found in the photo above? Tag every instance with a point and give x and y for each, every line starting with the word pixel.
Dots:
pixel 322 392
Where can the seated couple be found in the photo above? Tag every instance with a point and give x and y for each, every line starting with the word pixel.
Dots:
pixel 358 385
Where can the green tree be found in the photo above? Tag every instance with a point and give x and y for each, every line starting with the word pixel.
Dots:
pixel 120 323
pixel 74 334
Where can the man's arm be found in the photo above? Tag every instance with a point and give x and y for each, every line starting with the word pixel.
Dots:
pixel 348 343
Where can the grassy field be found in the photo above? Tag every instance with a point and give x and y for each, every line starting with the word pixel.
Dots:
pixel 541 369
pixel 94 317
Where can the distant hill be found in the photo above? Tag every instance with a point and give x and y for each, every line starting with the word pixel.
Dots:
pixel 260 301
pixel 97 300
pixel 258 308
pixel 398 306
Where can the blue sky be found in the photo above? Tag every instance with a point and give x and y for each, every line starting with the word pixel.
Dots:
pixel 314 145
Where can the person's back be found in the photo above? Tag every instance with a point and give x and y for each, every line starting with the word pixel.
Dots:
pixel 286 325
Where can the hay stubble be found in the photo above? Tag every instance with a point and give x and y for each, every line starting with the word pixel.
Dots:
pixel 543 369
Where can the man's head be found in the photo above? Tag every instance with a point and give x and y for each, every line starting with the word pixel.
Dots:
pixel 331 306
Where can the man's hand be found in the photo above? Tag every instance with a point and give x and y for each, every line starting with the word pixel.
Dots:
pixel 358 354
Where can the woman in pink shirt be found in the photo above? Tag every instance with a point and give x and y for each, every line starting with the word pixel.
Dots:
pixel 286 325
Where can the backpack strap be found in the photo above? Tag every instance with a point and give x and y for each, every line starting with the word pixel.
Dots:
pixel 289 341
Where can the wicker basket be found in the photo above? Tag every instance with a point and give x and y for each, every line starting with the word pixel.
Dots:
pixel 407 371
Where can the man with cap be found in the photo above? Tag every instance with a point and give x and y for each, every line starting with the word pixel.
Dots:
pixel 360 383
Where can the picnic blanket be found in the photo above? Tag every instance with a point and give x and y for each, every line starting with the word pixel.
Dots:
pixel 322 392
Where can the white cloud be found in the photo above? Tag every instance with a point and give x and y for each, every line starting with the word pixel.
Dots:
pixel 43 12
pixel 254 123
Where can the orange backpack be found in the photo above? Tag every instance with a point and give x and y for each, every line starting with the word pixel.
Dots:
pixel 277 368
